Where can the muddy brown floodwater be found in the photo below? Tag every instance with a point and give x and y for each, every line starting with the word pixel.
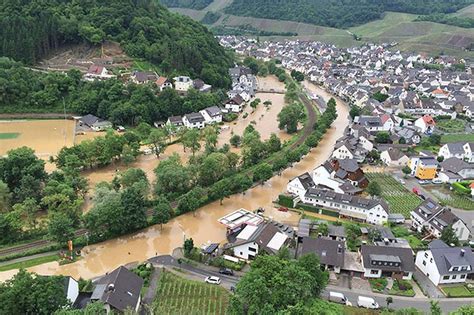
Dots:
pixel 201 226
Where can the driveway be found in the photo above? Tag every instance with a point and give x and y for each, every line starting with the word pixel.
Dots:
pixel 426 285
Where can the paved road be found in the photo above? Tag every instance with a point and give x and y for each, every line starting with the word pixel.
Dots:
pixel 447 305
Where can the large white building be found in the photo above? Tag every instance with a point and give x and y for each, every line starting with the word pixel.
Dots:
pixel 445 265
pixel 183 83
pixel 299 185
pixel 369 210
pixel 461 150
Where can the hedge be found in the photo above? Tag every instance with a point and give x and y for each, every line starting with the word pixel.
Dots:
pixel 308 208
pixel 285 201
pixel 330 213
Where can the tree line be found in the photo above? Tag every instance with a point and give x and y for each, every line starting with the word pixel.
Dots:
pixel 459 21
pixel 190 4
pixel 339 13
pixel 24 90
pixel 31 30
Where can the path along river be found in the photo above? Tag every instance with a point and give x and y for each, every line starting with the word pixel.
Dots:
pixel 201 226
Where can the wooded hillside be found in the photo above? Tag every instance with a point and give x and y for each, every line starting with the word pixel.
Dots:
pixel 32 29
pixel 339 13
pixel 190 4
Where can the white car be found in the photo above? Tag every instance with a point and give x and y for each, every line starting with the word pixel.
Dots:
pixel 213 280
pixel 437 181
pixel 367 302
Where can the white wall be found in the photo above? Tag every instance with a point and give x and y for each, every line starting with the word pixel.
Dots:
pixel 72 290
pixel 462 231
pixel 243 251
pixel 368 274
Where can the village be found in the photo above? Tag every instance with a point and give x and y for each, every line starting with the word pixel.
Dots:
pixel 385 207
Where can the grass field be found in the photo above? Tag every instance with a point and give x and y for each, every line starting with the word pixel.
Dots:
pixel 466 12
pixel 176 295
pixel 457 137
pixel 457 291
pixel 451 125
pixel 399 199
pixel 30 263
pixel 9 135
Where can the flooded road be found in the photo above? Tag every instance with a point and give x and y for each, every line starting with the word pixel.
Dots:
pixel 202 226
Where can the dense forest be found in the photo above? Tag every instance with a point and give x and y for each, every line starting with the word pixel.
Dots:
pixel 24 90
pixel 32 29
pixel 190 4
pixel 459 21
pixel 339 13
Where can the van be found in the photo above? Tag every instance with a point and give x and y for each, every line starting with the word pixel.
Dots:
pixel 337 297
pixel 367 302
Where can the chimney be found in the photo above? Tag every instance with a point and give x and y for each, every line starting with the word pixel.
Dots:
pixel 111 287
pixel 339 248
pixel 462 252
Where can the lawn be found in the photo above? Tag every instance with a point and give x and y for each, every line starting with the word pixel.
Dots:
pixel 469 137
pixel 30 263
pixel 399 199
pixel 176 295
pixel 9 135
pixel 457 291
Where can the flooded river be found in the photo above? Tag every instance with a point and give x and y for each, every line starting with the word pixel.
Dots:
pixel 201 226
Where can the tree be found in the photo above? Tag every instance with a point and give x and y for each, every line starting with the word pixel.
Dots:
pixel 262 172
pixel 157 140
pixel 435 308
pixel 210 137
pixel 220 190
pixel 162 213
pixel 213 168
pixel 235 140
pixel 373 155
pixel 60 227
pixel 402 140
pixel 133 176
pixel 5 196
pixel 290 116
pixel 27 293
pixel 267 103
pixel 191 200
pixel 355 111
pixel 323 228
pixel 128 155
pixel 406 170
pixel 274 143
pixel 133 209
pixel 435 139
pixel 449 236
pixel 255 103
pixel 10 226
pixel 191 139
pixel 382 137
pixel 389 300
pixel 188 246
pixel 297 75
pixel 374 189
pixel 440 158
pixel 172 178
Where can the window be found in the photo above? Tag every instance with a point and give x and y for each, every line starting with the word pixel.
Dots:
pixel 454 277
pixel 431 260
pixel 446 278
pixel 463 268
pixel 455 268
pixel 462 276
pixel 424 262
pixel 426 255
pixel 374 272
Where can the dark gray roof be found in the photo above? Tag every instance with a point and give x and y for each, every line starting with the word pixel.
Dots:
pixel 89 119
pixel 211 248
pixel 455 165
pixel 427 209
pixel 395 154
pixel 334 230
pixel 120 289
pixel 445 257
pixel 303 227
pixel 389 254
pixel 345 199
pixel 329 252
pixel 195 117
pixel 370 121
pixel 456 147
pixel 176 120
pixel 306 180
pixel 349 165
pixel 213 111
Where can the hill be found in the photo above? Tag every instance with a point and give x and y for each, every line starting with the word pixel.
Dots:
pixel 191 4
pixel 339 13
pixel 144 29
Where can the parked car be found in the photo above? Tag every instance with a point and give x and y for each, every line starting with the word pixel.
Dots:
pixel 422 197
pixel 423 182
pixel 226 271
pixel 367 302
pixel 437 181
pixel 338 297
pixel 283 209
pixel 213 280
pixel 416 191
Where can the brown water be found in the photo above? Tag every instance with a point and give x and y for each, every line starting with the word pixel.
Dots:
pixel 46 137
pixel 201 226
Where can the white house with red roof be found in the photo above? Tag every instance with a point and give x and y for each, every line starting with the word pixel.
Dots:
pixel 96 72
pixel 425 124
pixel 440 94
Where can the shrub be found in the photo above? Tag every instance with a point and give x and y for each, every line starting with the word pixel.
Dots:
pixel 285 201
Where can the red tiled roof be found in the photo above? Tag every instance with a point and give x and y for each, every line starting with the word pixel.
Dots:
pixel 429 120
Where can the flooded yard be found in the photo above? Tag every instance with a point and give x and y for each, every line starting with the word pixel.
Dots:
pixel 201 226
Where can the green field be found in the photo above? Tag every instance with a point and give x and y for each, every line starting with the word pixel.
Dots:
pixel 399 199
pixel 176 295
pixel 457 137
pixel 451 125
pixel 30 262
pixel 457 291
pixel 8 135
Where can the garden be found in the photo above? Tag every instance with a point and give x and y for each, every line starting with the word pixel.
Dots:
pixel 402 287
pixel 378 284
pixel 399 199
pixel 176 295
pixel 451 125
pixel 455 198
pixel 456 137
pixel 463 290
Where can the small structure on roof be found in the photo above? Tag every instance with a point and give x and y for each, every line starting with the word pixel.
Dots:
pixel 239 219
pixel 210 249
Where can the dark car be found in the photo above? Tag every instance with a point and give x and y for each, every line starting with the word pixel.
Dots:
pixel 226 271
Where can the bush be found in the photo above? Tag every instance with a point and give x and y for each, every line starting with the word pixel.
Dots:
pixel 230 117
pixel 378 285
pixel 285 201
pixel 223 263
pixel 330 213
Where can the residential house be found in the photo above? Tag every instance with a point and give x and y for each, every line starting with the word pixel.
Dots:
pixel 425 124
pixel 423 167
pixel 177 121
pixel 96 72
pixel 143 77
pixel 71 287
pixel 331 253
pixel 212 114
pixel 368 210
pixel 194 120
pixel 337 233
pixel 202 87
pixel 119 290
pixel 433 218
pixel 95 123
pixel 459 167
pixel 342 151
pixel 253 239
pixel 182 83
pixel 322 177
pixel 235 104
pixel 299 185
pixel 163 83
pixel 445 265
pixel 460 150
pixel 348 169
pixel 394 157
pixel 387 261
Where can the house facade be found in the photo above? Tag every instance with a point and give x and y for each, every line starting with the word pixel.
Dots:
pixel 182 83
pixel 387 261
pixel 194 120
pixel 423 167
pixel 299 185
